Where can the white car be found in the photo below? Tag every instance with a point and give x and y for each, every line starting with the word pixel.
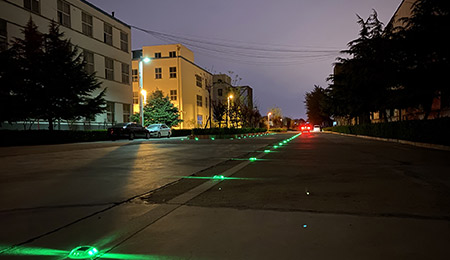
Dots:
pixel 316 128
pixel 159 130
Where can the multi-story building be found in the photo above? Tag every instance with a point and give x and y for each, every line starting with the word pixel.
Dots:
pixel 222 89
pixel 104 40
pixel 173 71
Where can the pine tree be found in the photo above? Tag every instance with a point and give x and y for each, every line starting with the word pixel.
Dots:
pixel 21 76
pixel 68 87
pixel 159 110
pixel 44 74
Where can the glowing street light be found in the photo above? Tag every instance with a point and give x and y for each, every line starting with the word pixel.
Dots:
pixel 228 110
pixel 268 120
pixel 142 60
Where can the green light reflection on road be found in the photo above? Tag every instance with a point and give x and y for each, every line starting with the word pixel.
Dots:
pixel 215 177
pixel 4 250
pixel 64 254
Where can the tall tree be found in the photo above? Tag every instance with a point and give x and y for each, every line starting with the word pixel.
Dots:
pixel 21 75
pixel 316 109
pixel 51 80
pixel 219 111
pixel 426 55
pixel 365 79
pixel 159 110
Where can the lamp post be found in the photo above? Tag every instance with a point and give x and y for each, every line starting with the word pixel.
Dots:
pixel 268 120
pixel 228 110
pixel 142 60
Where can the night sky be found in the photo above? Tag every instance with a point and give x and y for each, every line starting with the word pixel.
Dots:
pixel 279 48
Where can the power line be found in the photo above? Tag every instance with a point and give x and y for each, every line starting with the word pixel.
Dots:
pixel 249 53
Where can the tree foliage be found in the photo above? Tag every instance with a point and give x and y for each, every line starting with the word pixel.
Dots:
pixel 44 76
pixel 394 67
pixel 159 110
pixel 316 106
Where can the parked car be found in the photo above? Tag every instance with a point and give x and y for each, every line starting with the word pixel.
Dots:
pixel 159 130
pixel 128 130
pixel 316 128
pixel 306 128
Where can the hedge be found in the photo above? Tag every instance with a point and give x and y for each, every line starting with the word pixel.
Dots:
pixel 37 137
pixel 435 131
pixel 226 131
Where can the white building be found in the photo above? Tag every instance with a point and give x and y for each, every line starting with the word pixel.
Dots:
pixel 104 40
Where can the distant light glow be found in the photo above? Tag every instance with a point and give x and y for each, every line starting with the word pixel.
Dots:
pixel 146 59
pixel 252 159
pixel 267 151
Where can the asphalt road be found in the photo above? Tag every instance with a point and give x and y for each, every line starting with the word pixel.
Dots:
pixel 317 196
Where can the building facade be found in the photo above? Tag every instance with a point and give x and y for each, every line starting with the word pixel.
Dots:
pixel 172 70
pixel 104 40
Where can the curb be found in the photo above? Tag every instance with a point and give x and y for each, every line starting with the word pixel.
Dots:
pixel 418 144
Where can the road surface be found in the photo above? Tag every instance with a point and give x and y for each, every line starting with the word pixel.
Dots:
pixel 315 196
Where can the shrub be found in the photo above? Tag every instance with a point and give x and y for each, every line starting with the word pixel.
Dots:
pixel 226 131
pixel 426 131
pixel 38 137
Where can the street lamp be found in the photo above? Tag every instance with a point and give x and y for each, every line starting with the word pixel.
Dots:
pixel 142 60
pixel 268 120
pixel 228 110
pixel 144 95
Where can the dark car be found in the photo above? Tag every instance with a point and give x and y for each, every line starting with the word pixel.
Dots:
pixel 127 130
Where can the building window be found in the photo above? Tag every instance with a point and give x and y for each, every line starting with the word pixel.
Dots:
pixel 157 55
pixel 3 35
pixel 126 112
pixel 198 81
pixel 173 72
pixel 86 21
pixel 172 54
pixel 109 68
pixel 32 5
pixel 158 73
pixel 199 101
pixel 125 73
pixel 110 112
pixel 136 98
pixel 64 13
pixel 89 59
pixel 107 34
pixel 135 75
pixel 200 120
pixel 220 92
pixel 173 95
pixel 124 41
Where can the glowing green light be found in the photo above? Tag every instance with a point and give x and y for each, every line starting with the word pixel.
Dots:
pixel 215 177
pixel 83 252
pixel 275 146
pixel 284 141
pixel 212 138
pixel 267 151
pixel 280 144
pixel 196 138
pixel 252 159
pixel 6 250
